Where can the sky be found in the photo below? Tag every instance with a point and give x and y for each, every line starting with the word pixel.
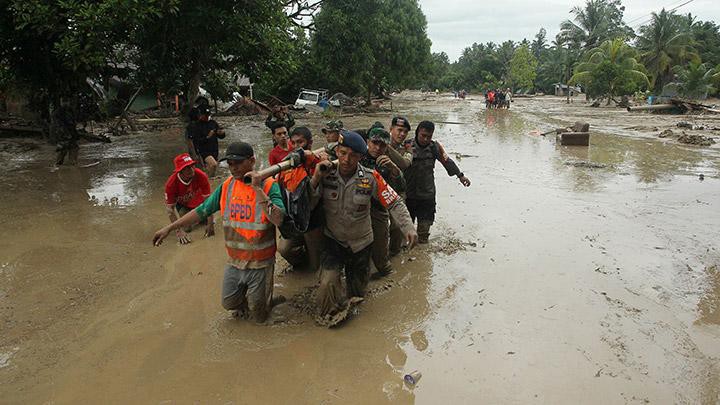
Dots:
pixel 455 24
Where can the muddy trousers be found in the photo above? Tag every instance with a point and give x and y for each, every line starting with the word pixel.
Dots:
pixel 424 211
pixel 397 238
pixel 380 244
pixel 302 249
pixel 337 258
pixel 248 290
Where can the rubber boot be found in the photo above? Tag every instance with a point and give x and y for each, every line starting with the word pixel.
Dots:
pixel 423 230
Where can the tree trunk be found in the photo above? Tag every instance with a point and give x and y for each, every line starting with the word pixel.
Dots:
pixel 193 87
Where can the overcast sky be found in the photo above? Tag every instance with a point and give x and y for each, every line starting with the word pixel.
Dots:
pixel 455 24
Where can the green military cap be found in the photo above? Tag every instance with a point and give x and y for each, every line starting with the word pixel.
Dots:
pixel 379 134
pixel 334 125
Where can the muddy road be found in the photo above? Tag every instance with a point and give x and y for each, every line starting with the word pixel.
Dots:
pixel 562 275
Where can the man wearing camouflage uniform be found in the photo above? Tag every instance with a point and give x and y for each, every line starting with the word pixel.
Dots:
pixel 420 177
pixel 377 159
pixel 400 153
pixel 346 192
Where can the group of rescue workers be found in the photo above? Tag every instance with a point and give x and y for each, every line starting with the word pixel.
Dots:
pixel 362 192
pixel 498 98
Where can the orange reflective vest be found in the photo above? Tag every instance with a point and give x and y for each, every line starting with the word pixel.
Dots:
pixel 249 235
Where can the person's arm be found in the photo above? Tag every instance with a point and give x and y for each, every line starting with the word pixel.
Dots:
pixel 170 202
pixel 388 198
pixel 204 210
pixel 450 166
pixel 219 132
pixel 403 161
pixel 206 193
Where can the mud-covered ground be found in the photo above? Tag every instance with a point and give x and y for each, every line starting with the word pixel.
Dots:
pixel 562 275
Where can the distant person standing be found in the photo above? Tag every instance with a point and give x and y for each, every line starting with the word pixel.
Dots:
pixel 420 177
pixel 279 114
pixel 185 189
pixel 202 137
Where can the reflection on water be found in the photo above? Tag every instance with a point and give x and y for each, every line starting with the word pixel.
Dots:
pixel 120 189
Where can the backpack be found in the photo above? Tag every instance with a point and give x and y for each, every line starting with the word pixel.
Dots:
pixel 295 189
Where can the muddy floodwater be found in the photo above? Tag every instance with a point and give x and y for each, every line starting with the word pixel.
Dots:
pixel 562 275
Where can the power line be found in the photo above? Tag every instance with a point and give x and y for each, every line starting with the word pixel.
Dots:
pixel 670 10
pixel 648 15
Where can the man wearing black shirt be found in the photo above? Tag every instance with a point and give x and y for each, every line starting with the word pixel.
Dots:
pixel 202 137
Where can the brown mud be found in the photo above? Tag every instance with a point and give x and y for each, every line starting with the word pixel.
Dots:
pixel 544 282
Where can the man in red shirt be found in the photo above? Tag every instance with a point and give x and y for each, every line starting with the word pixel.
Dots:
pixel 186 189
pixel 280 140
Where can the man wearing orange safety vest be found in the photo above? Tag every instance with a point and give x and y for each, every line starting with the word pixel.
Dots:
pixel 249 214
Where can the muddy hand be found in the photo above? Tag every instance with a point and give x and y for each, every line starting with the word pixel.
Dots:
pixel 210 230
pixel 183 238
pixel 322 155
pixel 465 181
pixel 160 236
pixel 412 238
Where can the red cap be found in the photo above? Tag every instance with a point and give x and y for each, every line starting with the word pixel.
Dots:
pixel 182 161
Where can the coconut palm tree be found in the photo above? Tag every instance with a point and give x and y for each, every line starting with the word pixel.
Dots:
pixel 664 43
pixel 694 81
pixel 611 69
pixel 598 21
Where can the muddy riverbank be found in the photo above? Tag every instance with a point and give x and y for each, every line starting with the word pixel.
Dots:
pixel 547 281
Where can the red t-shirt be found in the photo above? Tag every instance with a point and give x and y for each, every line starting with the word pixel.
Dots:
pixel 277 154
pixel 188 195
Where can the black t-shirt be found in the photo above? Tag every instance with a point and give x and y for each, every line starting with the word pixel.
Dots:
pixel 198 131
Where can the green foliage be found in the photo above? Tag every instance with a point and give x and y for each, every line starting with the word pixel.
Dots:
pixel 664 43
pixel 196 40
pixel 595 23
pixel 523 67
pixel 610 70
pixel 51 48
pixel 694 81
pixel 370 46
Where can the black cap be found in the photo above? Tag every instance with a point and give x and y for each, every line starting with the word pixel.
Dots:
pixel 401 121
pixel 238 151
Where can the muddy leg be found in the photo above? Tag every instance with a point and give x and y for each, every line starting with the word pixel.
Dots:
pixel 396 239
pixel 211 165
pixel 259 292
pixel 233 290
pixel 314 245
pixel 357 272
pixel 292 250
pixel 329 294
pixel 423 230
pixel 381 234
pixel 73 155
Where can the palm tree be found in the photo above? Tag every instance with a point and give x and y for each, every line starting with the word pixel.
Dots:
pixel 694 81
pixel 598 21
pixel 615 57
pixel 664 43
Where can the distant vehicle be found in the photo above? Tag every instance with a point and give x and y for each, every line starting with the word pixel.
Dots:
pixel 310 97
